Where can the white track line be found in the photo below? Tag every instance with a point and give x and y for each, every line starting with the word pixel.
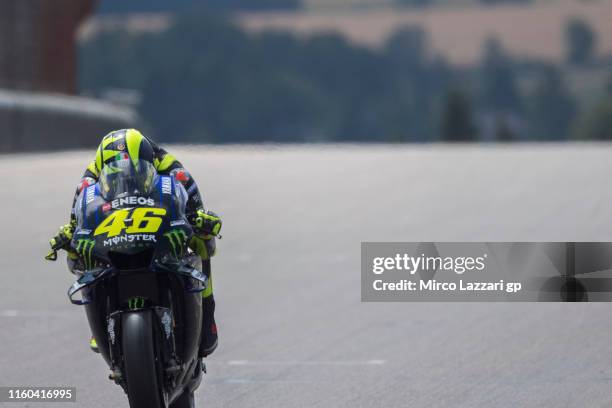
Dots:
pixel 39 313
pixel 9 313
pixel 306 363
pixel 256 381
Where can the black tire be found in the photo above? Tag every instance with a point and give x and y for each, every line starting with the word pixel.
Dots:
pixel 186 400
pixel 139 358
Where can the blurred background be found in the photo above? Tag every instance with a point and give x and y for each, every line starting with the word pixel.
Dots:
pixel 249 71
pixel 323 124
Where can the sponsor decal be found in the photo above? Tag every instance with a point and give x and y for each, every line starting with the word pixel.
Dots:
pixel 111 330
pixel 166 321
pixel 178 241
pixel 166 185
pixel 84 248
pixel 86 182
pixel 131 201
pixel 177 222
pixel 136 302
pixel 129 239
pixel 121 146
pixel 182 176
pixel 83 232
pixel 90 194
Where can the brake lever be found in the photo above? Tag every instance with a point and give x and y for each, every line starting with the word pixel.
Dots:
pixel 52 255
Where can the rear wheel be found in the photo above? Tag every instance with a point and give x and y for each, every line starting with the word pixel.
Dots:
pixel 139 358
pixel 186 400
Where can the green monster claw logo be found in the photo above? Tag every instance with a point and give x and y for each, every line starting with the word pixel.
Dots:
pixel 178 241
pixel 85 248
pixel 136 302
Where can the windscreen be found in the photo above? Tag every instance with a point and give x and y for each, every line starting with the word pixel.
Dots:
pixel 126 177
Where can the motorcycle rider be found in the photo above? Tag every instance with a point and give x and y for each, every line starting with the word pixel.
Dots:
pixel 206 224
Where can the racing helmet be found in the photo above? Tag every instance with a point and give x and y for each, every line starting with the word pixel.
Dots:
pixel 123 144
pixel 125 164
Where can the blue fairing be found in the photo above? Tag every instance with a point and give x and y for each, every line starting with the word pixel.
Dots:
pixel 164 205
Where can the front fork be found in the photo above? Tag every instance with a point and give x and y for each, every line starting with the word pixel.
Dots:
pixel 165 345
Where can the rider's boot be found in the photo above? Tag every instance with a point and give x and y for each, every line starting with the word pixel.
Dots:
pixel 208 339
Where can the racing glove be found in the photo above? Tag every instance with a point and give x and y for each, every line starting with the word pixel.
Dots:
pixel 61 241
pixel 208 224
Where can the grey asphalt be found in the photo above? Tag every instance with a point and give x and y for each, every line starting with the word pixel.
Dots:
pixel 293 332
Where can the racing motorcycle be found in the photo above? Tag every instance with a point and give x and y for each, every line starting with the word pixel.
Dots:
pixel 140 283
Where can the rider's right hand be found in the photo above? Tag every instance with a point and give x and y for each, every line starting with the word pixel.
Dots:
pixel 60 241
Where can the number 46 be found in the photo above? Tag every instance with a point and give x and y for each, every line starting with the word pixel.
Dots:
pixel 144 220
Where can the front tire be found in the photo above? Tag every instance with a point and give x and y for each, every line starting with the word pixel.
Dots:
pixel 139 357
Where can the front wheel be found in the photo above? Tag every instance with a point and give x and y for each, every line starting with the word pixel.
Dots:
pixel 139 357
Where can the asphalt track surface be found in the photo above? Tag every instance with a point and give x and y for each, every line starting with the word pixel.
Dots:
pixel 293 332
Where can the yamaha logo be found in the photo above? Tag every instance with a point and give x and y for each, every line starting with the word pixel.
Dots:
pixel 166 185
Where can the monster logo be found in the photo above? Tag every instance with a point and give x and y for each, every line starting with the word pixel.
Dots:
pixel 84 248
pixel 136 302
pixel 178 241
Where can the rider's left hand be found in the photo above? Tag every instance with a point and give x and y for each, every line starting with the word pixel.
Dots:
pixel 208 223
